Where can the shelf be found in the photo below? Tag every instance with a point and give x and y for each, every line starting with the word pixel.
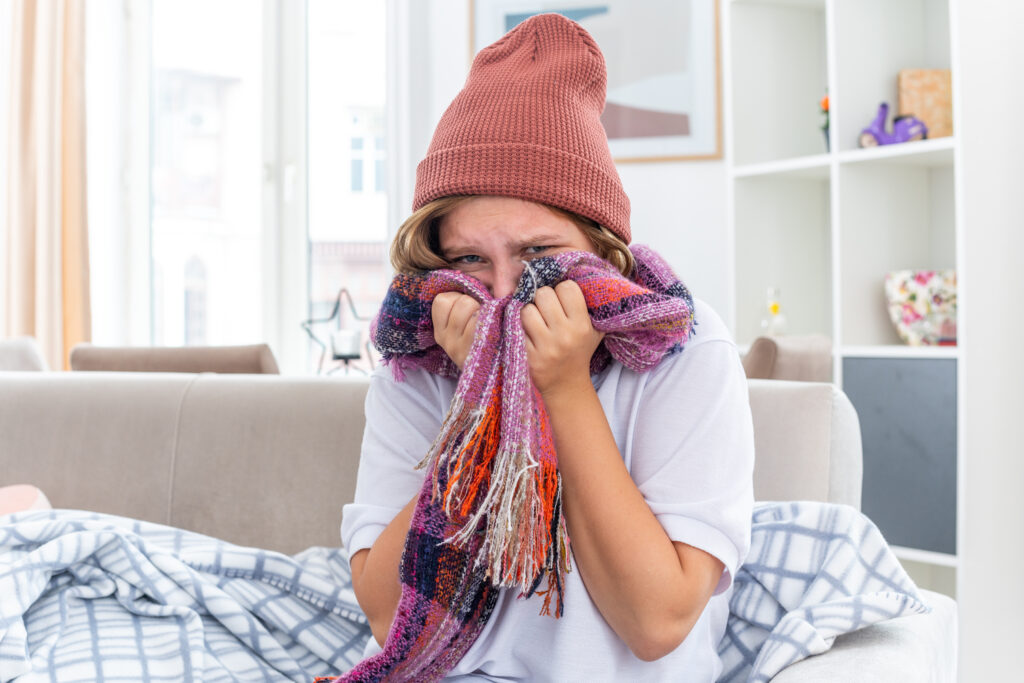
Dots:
pixel 783 224
pixel 936 153
pixel 895 351
pixel 925 556
pixel 825 226
pixel 804 4
pixel 779 65
pixel 815 167
pixel 924 153
pixel 873 41
pixel 892 217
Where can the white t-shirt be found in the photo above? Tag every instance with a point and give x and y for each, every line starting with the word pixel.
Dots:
pixel 684 431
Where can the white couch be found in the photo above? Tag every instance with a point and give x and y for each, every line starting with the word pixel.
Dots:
pixel 269 461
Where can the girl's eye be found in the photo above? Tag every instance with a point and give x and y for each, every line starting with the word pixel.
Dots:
pixel 537 249
pixel 468 259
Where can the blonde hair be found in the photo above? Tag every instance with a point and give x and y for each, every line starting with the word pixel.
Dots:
pixel 417 247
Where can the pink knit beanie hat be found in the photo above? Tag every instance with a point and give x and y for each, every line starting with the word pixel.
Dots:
pixel 527 124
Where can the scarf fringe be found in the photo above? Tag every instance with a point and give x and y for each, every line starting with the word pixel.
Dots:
pixel 501 491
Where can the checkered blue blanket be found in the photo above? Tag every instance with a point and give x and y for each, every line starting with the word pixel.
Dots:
pixel 91 597
pixel 814 572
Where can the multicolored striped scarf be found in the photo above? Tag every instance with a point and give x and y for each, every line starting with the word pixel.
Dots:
pixel 489 515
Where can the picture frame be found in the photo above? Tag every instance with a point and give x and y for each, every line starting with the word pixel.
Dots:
pixel 664 99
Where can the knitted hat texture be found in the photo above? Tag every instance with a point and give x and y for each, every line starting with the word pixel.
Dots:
pixel 527 124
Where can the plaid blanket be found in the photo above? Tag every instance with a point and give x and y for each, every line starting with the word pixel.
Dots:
pixel 814 572
pixel 91 597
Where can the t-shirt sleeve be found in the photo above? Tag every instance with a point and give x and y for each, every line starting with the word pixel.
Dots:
pixel 402 420
pixel 693 451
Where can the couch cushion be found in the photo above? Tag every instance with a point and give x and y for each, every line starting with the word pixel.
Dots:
pixel 806 358
pixel 268 461
pixel 21 354
pixel 94 441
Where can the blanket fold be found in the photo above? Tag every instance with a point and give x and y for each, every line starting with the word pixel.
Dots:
pixel 87 596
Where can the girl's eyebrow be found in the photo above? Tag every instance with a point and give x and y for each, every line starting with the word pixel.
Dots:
pixel 533 241
pixel 538 239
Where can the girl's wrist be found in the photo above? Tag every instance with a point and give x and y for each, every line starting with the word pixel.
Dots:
pixel 567 392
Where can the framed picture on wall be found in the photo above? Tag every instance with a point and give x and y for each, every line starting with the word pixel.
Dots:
pixel 664 83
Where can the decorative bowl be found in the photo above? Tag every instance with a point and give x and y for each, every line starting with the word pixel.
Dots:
pixel 922 306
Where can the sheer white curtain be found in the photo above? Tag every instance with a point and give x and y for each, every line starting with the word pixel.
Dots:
pixel 45 278
pixel 5 105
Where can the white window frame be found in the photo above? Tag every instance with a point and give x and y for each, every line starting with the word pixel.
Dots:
pixel 286 288
pixel 285 252
pixel 285 284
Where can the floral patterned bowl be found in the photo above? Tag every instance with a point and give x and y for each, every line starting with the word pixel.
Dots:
pixel 922 305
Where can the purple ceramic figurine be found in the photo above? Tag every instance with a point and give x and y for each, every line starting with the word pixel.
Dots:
pixel 904 129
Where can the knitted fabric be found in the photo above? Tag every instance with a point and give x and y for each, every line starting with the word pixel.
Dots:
pixel 527 124
pixel 489 514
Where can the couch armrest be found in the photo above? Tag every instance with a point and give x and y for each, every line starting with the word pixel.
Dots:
pixel 905 650
pixel 807 442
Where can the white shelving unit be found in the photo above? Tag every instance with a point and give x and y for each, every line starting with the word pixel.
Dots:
pixel 824 222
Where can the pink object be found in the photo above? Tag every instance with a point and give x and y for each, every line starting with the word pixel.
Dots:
pixel 527 124
pixel 922 305
pixel 21 498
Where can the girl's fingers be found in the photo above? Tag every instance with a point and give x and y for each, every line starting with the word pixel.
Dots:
pixel 469 329
pixel 441 309
pixel 571 298
pixel 464 312
pixel 533 324
pixel 548 305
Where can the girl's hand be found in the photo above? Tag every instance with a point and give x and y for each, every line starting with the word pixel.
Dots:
pixel 454 316
pixel 560 338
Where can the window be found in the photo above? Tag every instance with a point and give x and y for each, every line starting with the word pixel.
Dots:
pixel 206 155
pixel 195 302
pixel 379 168
pixel 245 182
pixel 356 175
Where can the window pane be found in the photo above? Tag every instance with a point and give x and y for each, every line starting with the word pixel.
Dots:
pixel 357 175
pixel 207 185
pixel 347 199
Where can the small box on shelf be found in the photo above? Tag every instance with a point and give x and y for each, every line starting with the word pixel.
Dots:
pixel 927 94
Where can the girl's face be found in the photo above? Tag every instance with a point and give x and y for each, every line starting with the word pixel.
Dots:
pixel 490 237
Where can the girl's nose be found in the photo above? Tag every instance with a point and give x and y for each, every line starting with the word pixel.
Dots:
pixel 506 277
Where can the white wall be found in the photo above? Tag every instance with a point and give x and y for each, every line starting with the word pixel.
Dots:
pixel 991 592
pixel 677 208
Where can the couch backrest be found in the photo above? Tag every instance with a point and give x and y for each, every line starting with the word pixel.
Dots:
pixel 270 460
pixel 246 360
pixel 256 459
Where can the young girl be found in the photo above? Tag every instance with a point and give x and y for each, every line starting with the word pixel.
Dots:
pixel 655 466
